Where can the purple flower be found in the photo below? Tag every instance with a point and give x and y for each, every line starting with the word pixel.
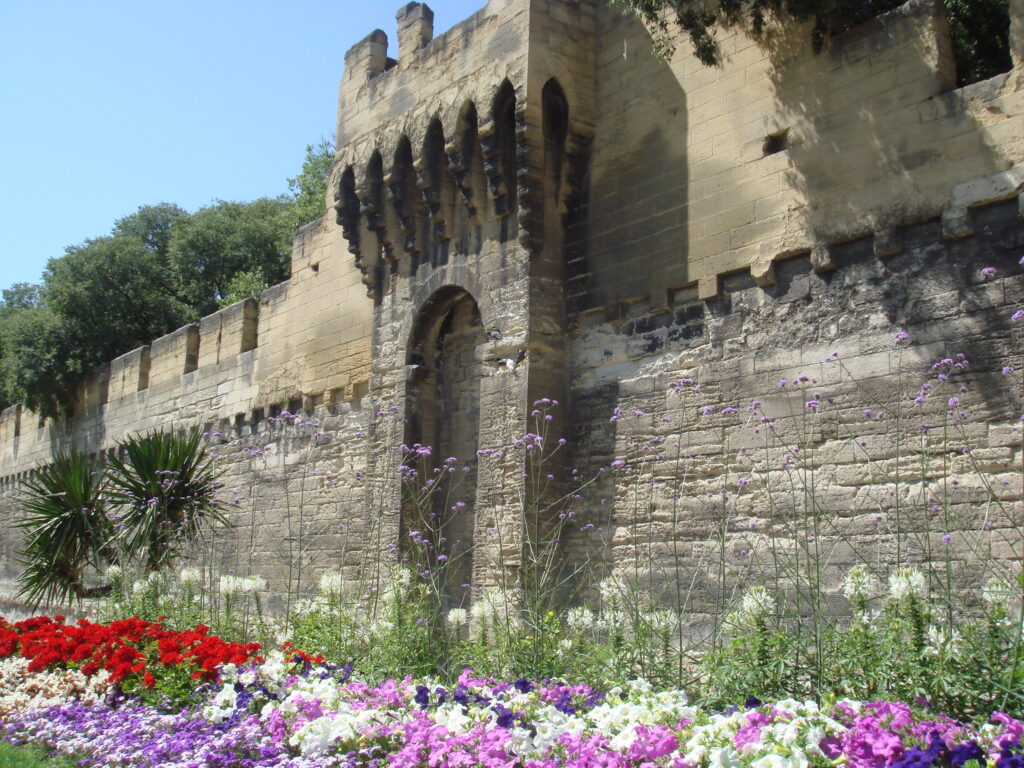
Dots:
pixel 988 272
pixel 901 337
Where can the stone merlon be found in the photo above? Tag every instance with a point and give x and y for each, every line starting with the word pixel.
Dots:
pixel 415 28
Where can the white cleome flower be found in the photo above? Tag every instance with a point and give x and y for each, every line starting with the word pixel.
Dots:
pixel 860 584
pixel 757 603
pixel 907 582
pixel 332 583
pixel 190 576
pixel 579 619
pixel 457 617
pixel 997 592
pixel 236 585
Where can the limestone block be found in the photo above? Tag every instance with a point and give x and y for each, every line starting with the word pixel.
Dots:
pixel 174 355
pixel 129 373
pixel 10 425
pixel 229 332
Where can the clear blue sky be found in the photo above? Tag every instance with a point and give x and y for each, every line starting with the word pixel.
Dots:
pixel 106 105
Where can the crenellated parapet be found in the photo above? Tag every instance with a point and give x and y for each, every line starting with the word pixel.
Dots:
pixel 452 143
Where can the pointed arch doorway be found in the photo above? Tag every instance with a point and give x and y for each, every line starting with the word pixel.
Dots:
pixel 443 412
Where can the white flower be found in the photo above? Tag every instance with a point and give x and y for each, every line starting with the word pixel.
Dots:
pixel 190 576
pixel 755 605
pixel 997 592
pixel 332 583
pixel 612 591
pixel 770 761
pixel 757 602
pixel 579 619
pixel 457 617
pixel 236 585
pixel 860 584
pixel 114 573
pixel 723 757
pixel 905 583
pixel 222 705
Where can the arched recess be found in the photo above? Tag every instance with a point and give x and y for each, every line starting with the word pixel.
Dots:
pixel 372 235
pixel 467 166
pixel 443 412
pixel 347 206
pixel 407 201
pixel 500 162
pixel 438 187
pixel 556 130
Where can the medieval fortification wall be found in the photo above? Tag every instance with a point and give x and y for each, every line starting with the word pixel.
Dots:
pixel 532 206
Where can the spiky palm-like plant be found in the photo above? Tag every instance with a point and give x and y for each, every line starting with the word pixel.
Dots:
pixel 67 529
pixel 164 491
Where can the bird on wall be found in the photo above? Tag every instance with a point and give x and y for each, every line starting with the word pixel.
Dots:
pixel 508 363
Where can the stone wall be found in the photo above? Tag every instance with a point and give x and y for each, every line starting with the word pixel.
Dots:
pixel 303 347
pixel 532 206
pixel 726 453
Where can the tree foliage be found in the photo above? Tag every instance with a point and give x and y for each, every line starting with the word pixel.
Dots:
pixel 158 269
pixel 309 188
pixel 14 303
pixel 213 245
pixel 979 28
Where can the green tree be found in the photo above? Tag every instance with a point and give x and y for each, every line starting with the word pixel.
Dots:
pixel 146 507
pixel 979 28
pixel 246 284
pixel 159 268
pixel 15 301
pixel 214 244
pixel 20 296
pixel 101 299
pixel 37 365
pixel 309 188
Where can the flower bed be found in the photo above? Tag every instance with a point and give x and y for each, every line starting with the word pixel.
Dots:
pixel 69 688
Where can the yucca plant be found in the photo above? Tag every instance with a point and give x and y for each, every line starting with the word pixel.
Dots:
pixel 163 489
pixel 67 529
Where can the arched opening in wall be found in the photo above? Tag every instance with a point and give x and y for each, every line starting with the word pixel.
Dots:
pixel 438 190
pixel 504 116
pixel 443 412
pixel 469 168
pixel 555 122
pixel 408 202
pixel 556 129
pixel 371 200
pixel 346 205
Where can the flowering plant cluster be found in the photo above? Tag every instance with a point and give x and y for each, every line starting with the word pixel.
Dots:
pixel 132 653
pixel 295 710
